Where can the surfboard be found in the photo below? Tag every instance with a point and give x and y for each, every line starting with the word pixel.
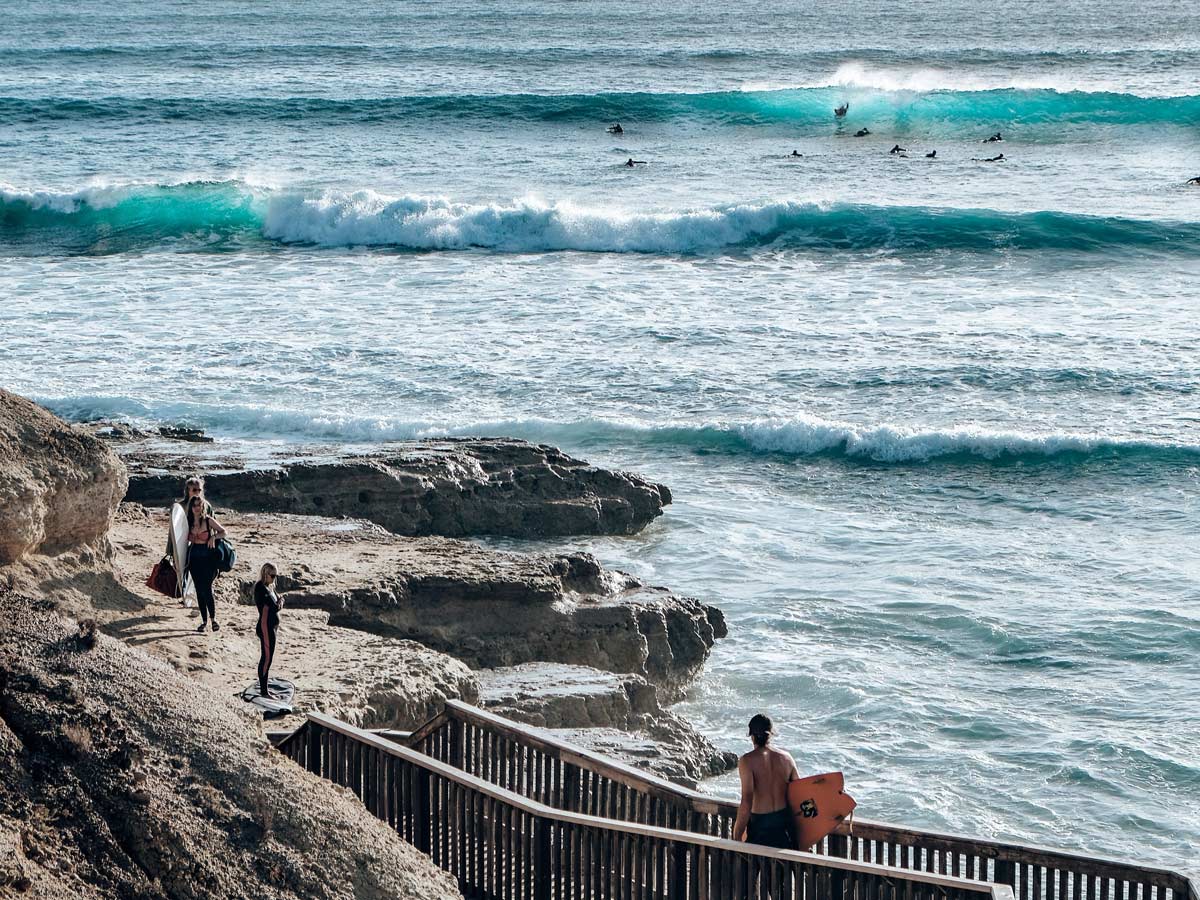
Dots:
pixel 179 543
pixel 279 700
pixel 819 804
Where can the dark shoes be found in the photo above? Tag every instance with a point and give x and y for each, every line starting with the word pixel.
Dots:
pixel 200 628
pixel 216 625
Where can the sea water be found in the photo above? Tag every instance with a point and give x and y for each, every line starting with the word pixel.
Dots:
pixel 931 424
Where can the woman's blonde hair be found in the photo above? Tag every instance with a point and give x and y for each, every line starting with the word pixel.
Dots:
pixel 262 573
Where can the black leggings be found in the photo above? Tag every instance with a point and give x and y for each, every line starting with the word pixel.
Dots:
pixel 202 566
pixel 266 646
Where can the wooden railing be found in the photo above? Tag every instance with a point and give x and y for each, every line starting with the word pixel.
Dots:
pixel 504 846
pixel 553 773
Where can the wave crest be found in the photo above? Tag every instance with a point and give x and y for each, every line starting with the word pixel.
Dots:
pixel 800 436
pixel 218 215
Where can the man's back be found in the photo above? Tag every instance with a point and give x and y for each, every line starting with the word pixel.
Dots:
pixel 770 770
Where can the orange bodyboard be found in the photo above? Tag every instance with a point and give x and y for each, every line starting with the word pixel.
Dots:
pixel 819 804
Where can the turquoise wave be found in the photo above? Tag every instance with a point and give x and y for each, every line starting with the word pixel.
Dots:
pixel 799 436
pixel 934 112
pixel 234 216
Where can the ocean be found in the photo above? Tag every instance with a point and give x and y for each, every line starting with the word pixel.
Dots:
pixel 931 423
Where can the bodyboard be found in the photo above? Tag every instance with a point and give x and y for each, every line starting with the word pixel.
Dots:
pixel 179 543
pixel 278 702
pixel 819 804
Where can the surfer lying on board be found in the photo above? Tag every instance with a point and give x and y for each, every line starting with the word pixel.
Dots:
pixel 763 816
pixel 993 139
pixel 999 157
pixel 269 604
pixel 631 162
pixel 862 132
pixel 1195 180
pixel 203 531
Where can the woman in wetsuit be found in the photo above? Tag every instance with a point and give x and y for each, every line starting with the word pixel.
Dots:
pixel 269 604
pixel 763 816
pixel 203 531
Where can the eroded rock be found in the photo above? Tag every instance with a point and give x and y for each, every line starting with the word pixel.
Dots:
pixel 59 486
pixel 121 779
pixel 450 487
pixel 612 714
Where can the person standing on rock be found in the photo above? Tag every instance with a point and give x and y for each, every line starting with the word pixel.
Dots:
pixel 202 557
pixel 763 816
pixel 269 604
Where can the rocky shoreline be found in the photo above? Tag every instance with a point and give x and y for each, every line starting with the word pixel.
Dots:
pixel 388 615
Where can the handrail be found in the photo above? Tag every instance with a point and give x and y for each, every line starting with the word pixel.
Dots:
pixel 489 745
pixel 501 844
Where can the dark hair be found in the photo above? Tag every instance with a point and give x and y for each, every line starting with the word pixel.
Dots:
pixel 761 730
pixel 192 505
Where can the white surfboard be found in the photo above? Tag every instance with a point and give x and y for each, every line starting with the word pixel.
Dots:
pixel 179 541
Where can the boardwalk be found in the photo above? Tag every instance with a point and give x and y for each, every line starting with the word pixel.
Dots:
pixel 514 815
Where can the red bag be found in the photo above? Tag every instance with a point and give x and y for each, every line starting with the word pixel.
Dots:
pixel 163 578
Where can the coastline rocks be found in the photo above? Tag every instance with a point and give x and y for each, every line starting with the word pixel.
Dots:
pixel 59 486
pixel 486 607
pixel 450 487
pixel 617 715
pixel 356 676
pixel 121 779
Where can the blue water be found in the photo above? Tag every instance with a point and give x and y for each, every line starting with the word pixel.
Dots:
pixel 931 424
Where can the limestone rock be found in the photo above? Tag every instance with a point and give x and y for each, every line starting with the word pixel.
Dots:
pixel 615 715
pixel 486 607
pixel 450 487
pixel 121 779
pixel 59 486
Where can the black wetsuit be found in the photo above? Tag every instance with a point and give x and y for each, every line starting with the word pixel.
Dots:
pixel 202 566
pixel 267 602
pixel 773 829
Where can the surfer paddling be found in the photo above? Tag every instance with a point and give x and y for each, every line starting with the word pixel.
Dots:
pixel 202 556
pixel 269 604
pixel 763 816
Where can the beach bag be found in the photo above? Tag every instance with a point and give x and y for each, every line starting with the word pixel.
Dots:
pixel 163 578
pixel 226 555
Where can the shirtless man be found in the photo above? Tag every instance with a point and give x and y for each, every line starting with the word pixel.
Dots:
pixel 764 816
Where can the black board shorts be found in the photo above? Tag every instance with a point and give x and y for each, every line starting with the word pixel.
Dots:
pixel 773 829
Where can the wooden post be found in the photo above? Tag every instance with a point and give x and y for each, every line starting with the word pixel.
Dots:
pixel 422 811
pixel 457 751
pixel 313 760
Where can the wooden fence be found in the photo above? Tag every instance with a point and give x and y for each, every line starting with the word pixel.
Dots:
pixel 557 775
pixel 501 845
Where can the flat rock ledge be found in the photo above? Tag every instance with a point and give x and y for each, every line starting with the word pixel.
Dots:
pixel 486 607
pixel 616 715
pixel 451 487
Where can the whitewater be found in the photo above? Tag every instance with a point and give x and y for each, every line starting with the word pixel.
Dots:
pixel 930 422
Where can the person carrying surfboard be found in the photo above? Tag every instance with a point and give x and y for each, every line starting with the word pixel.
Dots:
pixel 202 557
pixel 177 549
pixel 269 604
pixel 763 816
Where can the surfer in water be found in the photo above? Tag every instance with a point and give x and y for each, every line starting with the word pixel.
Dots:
pixel 840 111
pixel 862 132
pixel 615 128
pixel 999 157
pixel 763 816
pixel 1195 180
pixel 993 139
pixel 631 162
pixel 797 154
pixel 932 154
pixel 896 149
pixel 269 604
pixel 203 532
